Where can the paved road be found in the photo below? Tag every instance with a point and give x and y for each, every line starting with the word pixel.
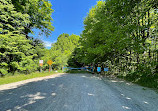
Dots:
pixel 78 92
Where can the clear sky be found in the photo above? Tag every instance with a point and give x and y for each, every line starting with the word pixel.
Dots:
pixel 68 18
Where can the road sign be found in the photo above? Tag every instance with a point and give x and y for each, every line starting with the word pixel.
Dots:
pixel 41 62
pixel 50 62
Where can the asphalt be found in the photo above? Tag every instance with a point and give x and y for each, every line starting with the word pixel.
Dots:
pixel 78 92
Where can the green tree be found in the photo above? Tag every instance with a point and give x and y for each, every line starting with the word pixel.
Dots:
pixel 18 51
pixel 39 12
pixel 63 48
pixel 124 35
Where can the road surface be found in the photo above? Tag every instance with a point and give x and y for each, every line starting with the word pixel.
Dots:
pixel 78 92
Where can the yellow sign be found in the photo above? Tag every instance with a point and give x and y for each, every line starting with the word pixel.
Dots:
pixel 41 64
pixel 50 62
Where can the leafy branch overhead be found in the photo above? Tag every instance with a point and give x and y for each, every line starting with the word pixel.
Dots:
pixel 18 51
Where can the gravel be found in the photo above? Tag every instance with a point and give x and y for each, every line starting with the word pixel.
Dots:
pixel 76 92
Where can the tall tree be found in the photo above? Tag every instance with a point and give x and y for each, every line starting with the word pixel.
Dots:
pixel 18 51
pixel 63 48
pixel 39 12
pixel 122 33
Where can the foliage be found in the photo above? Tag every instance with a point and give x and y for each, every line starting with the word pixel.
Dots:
pixel 18 51
pixel 62 49
pixel 39 12
pixel 124 34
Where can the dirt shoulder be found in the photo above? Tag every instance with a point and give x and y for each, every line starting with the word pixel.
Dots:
pixel 20 83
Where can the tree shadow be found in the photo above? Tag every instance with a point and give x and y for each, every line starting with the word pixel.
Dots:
pixel 29 96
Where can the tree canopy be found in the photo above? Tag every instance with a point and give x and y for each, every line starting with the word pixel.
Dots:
pixel 63 48
pixel 122 35
pixel 18 51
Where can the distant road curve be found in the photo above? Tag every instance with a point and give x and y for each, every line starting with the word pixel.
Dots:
pixel 76 92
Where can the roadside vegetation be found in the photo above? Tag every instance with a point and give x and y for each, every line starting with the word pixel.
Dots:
pixel 21 77
pixel 122 35
pixel 19 51
pixel 61 51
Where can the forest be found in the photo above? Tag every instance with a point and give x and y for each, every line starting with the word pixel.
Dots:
pixel 121 35
pixel 20 52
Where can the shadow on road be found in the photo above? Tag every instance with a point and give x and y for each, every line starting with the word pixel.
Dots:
pixel 78 92
pixel 30 95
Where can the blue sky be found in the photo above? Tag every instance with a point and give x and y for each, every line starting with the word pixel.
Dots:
pixel 68 18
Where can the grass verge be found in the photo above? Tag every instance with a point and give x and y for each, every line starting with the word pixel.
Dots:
pixel 21 77
pixel 149 81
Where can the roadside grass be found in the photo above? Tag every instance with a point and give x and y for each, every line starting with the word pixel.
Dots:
pixel 21 77
pixel 150 82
